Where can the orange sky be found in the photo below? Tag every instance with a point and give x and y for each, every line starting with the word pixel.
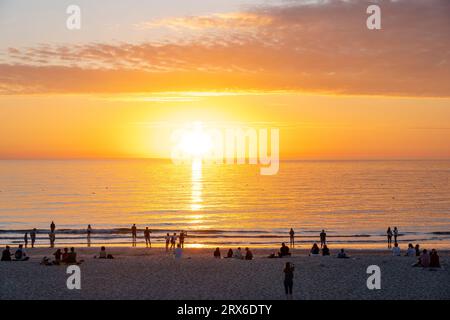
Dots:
pixel 335 89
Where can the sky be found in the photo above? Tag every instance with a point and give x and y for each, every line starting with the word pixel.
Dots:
pixel 137 70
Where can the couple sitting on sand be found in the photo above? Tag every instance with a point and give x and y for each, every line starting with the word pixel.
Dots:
pixel 237 254
pixel 315 251
pixel 427 260
pixel 284 252
pixel 19 255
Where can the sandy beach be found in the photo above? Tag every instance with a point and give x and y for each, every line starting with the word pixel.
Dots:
pixel 140 273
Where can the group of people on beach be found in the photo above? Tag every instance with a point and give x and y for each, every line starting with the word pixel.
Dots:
pixel 237 254
pixel 19 255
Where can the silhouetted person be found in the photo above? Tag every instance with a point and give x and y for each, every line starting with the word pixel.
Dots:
pixel 148 242
pixel 230 253
pixel 288 280
pixel 284 251
pixel 248 254
pixel 6 254
pixel 52 238
pixel 33 237
pixel 72 257
pixel 134 235
pixel 314 250
pixel 167 241
pixel 89 232
pixel 65 255
pixel 291 237
pixel 20 254
pixel 323 238
pixel 57 255
pixel 217 253
pixel 395 234
pixel 325 251
pixel 434 259
pixel 417 248
pixel 52 227
pixel 389 237
pixel 173 241
pixel 411 252
pixel 182 237
pixel 342 255
pixel 25 239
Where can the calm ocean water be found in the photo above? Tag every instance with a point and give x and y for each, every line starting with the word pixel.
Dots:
pixel 355 201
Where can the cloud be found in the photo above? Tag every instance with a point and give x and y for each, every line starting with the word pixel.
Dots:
pixel 298 46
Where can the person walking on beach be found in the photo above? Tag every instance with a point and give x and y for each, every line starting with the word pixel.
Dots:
pixel 288 280
pixel 389 237
pixel 395 234
pixel 134 235
pixel 323 238
pixel 167 241
pixel 52 227
pixel 291 237
pixel 148 242
pixel 33 237
pixel 25 239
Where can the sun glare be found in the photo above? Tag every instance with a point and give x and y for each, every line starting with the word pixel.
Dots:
pixel 196 142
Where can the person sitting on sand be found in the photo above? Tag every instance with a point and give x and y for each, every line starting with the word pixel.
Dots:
pixel 72 257
pixel 57 255
pixel 65 255
pixel 6 254
pixel 216 253
pixel 411 252
pixel 396 250
pixel 342 255
pixel 417 248
pixel 434 259
pixel 315 251
pixel 20 254
pixel 238 254
pixel 229 254
pixel 284 251
pixel 248 254
pixel 178 252
pixel 424 260
pixel 102 254
pixel 325 251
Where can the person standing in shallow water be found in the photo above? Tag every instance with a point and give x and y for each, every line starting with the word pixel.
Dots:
pixel 33 237
pixel 89 232
pixel 389 237
pixel 323 238
pixel 288 280
pixel 52 227
pixel 25 239
pixel 148 242
pixel 167 241
pixel 395 234
pixel 291 237
pixel 134 235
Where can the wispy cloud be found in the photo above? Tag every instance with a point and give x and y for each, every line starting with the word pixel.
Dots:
pixel 299 46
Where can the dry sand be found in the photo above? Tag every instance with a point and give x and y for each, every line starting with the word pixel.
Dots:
pixel 139 273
